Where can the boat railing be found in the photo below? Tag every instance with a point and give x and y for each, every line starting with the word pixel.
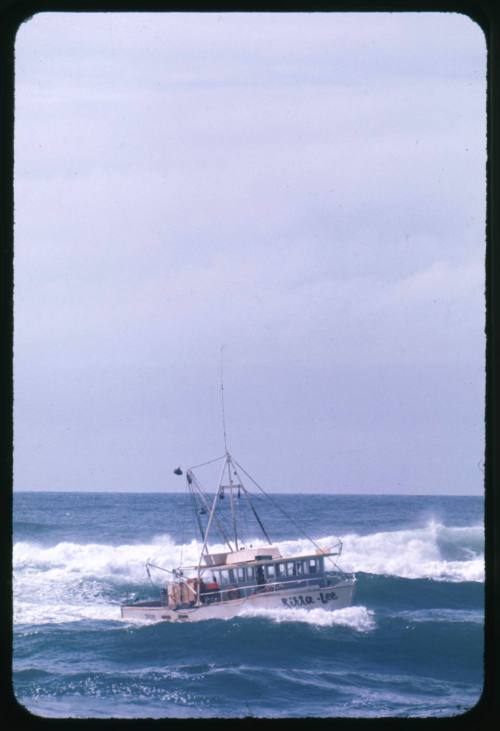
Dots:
pixel 243 590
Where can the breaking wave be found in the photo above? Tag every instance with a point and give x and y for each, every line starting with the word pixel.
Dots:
pixel 357 618
pixel 71 581
pixel 434 552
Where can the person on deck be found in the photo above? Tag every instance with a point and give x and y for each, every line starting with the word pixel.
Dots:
pixel 261 579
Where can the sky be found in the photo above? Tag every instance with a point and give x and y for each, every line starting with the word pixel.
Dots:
pixel 307 190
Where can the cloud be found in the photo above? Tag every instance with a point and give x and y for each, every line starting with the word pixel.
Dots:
pixel 309 189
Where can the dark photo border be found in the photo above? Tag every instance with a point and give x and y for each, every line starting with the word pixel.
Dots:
pixel 487 14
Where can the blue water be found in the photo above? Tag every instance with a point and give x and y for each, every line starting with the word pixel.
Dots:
pixel 411 644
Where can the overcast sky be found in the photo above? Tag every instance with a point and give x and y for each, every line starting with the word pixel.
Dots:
pixel 309 190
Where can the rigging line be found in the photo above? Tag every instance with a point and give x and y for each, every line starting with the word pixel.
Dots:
pixel 239 512
pixel 247 496
pixel 185 516
pixel 244 511
pixel 222 395
pixel 212 512
pixel 220 524
pixel 210 461
pixel 256 515
pixel 231 500
pixel 196 509
pixel 339 543
pixel 206 501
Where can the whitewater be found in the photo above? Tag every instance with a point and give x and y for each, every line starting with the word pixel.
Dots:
pixel 411 644
pixel 70 581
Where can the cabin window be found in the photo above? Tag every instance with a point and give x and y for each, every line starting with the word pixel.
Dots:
pixel 270 571
pixel 313 566
pixel 241 573
pixel 224 577
pixel 280 569
pixel 300 567
pixel 290 568
pixel 231 576
pixel 250 573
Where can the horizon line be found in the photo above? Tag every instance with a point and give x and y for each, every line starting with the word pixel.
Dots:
pixel 273 492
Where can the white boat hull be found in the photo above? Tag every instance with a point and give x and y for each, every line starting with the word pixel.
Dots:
pixel 337 596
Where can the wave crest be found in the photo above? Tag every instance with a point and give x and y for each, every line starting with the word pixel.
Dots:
pixel 71 581
pixel 357 618
pixel 433 552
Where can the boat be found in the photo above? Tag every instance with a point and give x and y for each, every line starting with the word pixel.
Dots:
pixel 242 577
pixel 226 583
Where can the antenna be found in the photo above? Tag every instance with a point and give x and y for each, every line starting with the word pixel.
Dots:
pixel 222 394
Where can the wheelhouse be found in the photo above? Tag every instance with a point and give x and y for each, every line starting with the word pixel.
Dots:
pixel 239 580
pixel 276 570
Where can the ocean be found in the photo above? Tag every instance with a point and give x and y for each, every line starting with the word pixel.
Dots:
pixel 410 645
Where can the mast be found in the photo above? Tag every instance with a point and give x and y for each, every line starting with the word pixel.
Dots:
pixel 228 465
pixel 210 519
pixel 211 516
pixel 233 513
pixel 228 456
pixel 222 396
pixel 193 484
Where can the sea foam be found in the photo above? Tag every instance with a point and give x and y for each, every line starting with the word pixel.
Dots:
pixel 71 581
pixel 356 618
pixel 433 552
